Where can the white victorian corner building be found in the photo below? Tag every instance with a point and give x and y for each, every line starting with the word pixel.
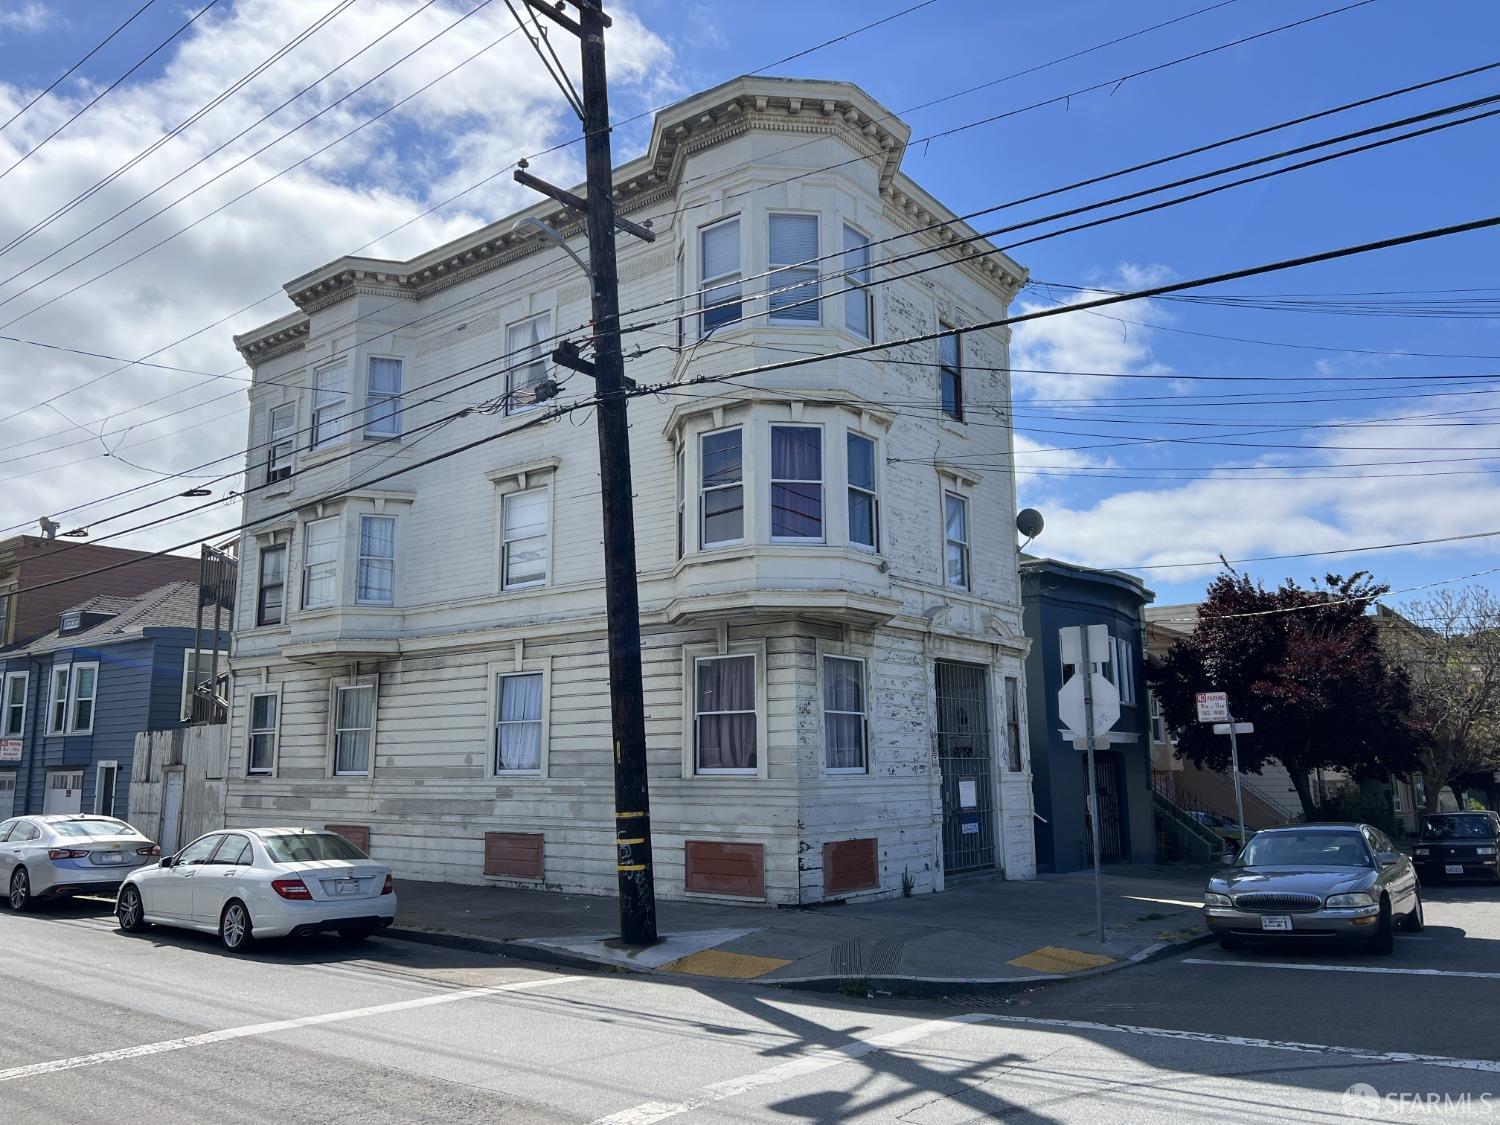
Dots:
pixel 828 573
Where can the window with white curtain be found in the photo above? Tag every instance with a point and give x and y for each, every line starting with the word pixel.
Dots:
pixel 523 558
pixel 951 373
pixel 844 745
pixel 724 715
pixel 794 271
pixel 16 684
pixel 796 482
pixel 956 541
pixel 261 755
pixel 864 502
pixel 719 274
pixel 375 578
pixel 383 398
pixel 721 495
pixel 281 438
pixel 518 723
pixel 526 345
pixel 330 405
pixel 1122 659
pixel 353 725
pixel 858 302
pixel 320 562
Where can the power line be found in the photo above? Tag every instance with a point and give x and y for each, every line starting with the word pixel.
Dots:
pixel 102 94
pixel 56 82
pixel 1315 554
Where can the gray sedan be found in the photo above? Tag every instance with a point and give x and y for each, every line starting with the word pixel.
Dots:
pixel 1334 882
pixel 55 855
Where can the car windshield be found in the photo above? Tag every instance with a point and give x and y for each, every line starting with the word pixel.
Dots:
pixel 305 846
pixel 1458 828
pixel 1305 849
pixel 93 828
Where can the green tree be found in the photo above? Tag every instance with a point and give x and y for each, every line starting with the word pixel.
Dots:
pixel 1306 666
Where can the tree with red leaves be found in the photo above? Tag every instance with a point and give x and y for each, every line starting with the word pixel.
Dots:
pixel 1306 666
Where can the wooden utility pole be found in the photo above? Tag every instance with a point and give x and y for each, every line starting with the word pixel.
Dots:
pixel 622 605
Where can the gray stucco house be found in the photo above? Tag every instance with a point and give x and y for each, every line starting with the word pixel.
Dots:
pixel 1055 595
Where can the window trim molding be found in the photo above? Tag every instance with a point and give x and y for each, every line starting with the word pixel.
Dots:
pixel 877 466
pixel 704 282
pixel 57 729
pixel 74 676
pixel 817 273
pixel 285 547
pixel 337 519
pixel 5 703
pixel 545 488
pixel 508 406
pixel 250 730
pixel 287 461
pixel 968 541
pixel 335 685
pixel 521 665
pixel 744 487
pixel 826 652
pixel 1023 747
pixel 527 477
pixel 691 654
pixel 399 396
pixel 957 335
pixel 787 424
pixel 360 556
pixel 865 290
pixel 345 434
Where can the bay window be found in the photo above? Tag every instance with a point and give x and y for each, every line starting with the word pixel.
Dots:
pixel 281 436
pixel 858 302
pixel 724 717
pixel 320 562
pixel 796 482
pixel 864 503
pixel 330 405
pixel 719 274
pixel 375 579
pixel 383 398
pixel 721 494
pixel 792 254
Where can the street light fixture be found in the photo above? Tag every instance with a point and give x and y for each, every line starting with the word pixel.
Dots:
pixel 532 223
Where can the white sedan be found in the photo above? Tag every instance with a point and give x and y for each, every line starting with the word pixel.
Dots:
pixel 249 883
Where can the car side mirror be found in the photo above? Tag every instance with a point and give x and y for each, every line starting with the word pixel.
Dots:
pixel 167 860
pixel 1385 859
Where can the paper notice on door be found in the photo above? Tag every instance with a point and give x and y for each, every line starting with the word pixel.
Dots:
pixel 968 793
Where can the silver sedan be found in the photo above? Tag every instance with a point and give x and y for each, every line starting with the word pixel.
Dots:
pixel 1334 882
pixel 60 854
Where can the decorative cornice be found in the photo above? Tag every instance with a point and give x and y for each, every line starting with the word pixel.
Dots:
pixel 278 338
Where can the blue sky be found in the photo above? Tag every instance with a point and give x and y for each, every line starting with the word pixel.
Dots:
pixel 1346 411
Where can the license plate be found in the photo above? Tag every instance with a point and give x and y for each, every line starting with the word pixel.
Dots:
pixel 1276 922
pixel 1453 869
pixel 349 888
pixel 111 857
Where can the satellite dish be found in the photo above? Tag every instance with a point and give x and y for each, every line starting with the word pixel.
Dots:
pixel 1029 523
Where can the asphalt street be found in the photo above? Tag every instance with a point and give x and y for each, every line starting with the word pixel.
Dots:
pixel 96 1025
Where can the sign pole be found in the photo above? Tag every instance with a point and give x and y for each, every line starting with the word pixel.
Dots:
pixel 1093 785
pixel 1234 761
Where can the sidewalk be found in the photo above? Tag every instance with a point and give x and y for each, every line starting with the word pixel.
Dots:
pixel 978 933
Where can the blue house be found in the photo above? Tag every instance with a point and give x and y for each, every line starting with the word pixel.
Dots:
pixel 1055 595
pixel 73 700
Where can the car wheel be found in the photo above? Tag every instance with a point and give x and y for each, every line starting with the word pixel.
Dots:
pixel 234 927
pixel 1228 943
pixel 1384 940
pixel 130 911
pixel 355 933
pixel 1415 922
pixel 20 891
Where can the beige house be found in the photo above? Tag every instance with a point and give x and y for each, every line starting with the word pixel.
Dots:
pixel 827 562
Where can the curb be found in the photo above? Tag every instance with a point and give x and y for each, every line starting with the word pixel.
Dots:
pixel 896 985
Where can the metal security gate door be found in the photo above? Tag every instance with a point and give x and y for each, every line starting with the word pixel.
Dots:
pixel 1112 835
pixel 963 714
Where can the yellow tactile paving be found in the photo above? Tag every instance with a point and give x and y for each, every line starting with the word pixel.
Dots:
pixel 1056 959
pixel 717 963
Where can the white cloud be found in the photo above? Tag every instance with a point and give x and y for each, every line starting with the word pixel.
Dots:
pixel 29 16
pixel 1102 341
pixel 469 125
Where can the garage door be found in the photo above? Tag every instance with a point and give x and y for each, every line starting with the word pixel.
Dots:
pixel 64 791
pixel 7 795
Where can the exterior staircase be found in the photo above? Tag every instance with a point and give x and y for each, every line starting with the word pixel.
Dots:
pixel 1179 834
